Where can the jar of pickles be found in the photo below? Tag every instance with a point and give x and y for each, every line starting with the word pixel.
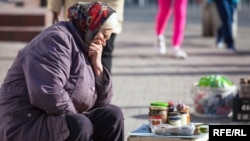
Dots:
pixel 158 113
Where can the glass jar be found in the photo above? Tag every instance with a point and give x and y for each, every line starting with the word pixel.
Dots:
pixel 156 113
pixel 184 118
pixel 174 118
pixel 188 114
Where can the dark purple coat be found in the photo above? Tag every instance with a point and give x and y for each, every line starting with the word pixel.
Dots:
pixel 51 76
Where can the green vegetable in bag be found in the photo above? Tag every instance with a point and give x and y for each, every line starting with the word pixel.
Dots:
pixel 204 81
pixel 215 81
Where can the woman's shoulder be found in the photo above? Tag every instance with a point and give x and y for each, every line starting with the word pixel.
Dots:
pixel 57 32
pixel 58 27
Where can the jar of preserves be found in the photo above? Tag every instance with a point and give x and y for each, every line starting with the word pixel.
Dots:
pixel 188 114
pixel 158 111
pixel 171 107
pixel 184 118
pixel 174 118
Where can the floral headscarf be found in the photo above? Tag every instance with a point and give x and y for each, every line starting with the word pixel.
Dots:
pixel 89 17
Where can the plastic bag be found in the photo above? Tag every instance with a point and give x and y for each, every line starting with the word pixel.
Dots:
pixel 213 102
pixel 166 129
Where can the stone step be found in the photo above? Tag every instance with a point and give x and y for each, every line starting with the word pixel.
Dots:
pixel 23 34
pixel 22 23
pixel 23 17
pixel 22 20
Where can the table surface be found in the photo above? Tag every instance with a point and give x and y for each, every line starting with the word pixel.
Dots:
pixel 144 131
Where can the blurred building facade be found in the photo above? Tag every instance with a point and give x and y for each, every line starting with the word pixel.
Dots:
pixel 21 10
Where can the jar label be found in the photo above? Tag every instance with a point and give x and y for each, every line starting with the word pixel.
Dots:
pixel 155 117
pixel 155 122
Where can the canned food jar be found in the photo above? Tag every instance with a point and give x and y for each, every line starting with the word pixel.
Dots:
pixel 160 104
pixel 244 88
pixel 174 118
pixel 158 110
pixel 184 118
pixel 188 115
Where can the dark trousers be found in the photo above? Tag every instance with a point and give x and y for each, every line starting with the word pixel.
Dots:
pixel 101 124
pixel 107 52
pixel 225 32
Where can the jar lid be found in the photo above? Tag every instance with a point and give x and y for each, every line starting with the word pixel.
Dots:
pixel 174 118
pixel 160 104
pixel 173 113
pixel 158 108
pixel 183 112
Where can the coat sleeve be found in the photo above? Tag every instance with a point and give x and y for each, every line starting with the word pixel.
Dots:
pixel 46 67
pixel 104 91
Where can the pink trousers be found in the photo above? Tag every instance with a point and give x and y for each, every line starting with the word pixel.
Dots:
pixel 179 8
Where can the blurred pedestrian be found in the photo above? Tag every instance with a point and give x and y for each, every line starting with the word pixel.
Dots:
pixel 226 9
pixel 179 9
pixel 58 6
pixel 55 6
pixel 57 88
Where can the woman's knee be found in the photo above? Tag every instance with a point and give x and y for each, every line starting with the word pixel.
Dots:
pixel 79 124
pixel 115 112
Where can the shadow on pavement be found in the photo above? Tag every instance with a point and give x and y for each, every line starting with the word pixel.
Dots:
pixel 227 120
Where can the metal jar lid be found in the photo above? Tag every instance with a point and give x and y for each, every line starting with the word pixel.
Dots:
pixel 158 103
pixel 174 114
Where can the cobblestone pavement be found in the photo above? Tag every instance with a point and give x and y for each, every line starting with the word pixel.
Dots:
pixel 141 76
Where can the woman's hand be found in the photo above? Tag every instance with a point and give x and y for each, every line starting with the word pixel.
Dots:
pixel 95 54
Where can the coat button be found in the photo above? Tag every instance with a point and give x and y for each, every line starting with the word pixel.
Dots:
pixel 29 114
pixel 92 89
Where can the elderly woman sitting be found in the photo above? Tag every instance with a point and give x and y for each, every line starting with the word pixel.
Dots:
pixel 57 88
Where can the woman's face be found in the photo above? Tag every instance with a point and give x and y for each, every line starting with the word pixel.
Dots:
pixel 101 37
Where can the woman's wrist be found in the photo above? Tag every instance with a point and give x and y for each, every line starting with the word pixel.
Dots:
pixel 99 73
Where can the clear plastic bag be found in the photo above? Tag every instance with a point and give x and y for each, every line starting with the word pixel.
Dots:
pixel 166 129
pixel 213 102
